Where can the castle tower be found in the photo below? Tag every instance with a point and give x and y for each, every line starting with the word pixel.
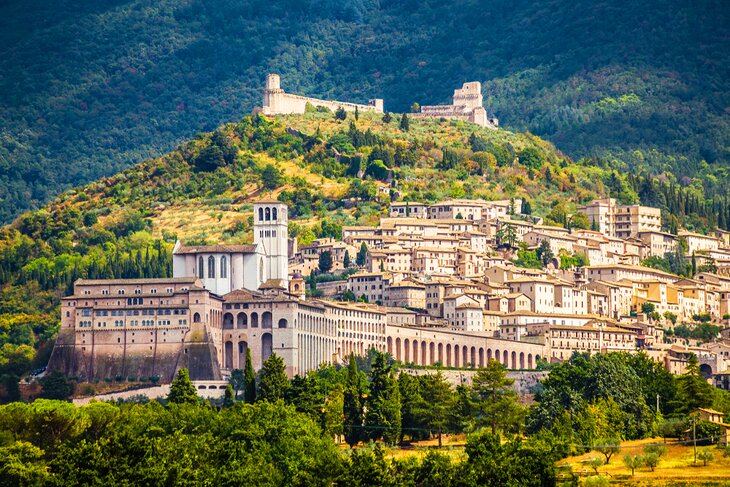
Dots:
pixel 272 94
pixel 271 230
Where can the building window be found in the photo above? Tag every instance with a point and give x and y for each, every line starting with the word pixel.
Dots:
pixel 268 214
pixel 224 267
pixel 273 214
pixel 211 267
pixel 201 274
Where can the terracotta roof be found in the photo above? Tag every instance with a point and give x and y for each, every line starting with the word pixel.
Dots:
pixel 217 249
pixel 121 282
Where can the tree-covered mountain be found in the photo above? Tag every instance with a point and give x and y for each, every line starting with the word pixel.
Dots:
pixel 88 88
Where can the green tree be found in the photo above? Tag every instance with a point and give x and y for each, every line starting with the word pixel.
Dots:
pixel 531 157
pixel 387 117
pixel 705 455
pixel 383 417
pixel 334 411
pixel 495 403
pixel 249 379
pixel 352 405
pixel 544 252
pixel 325 261
pixel 404 124
pixel 182 390
pixel 55 385
pixel 237 381
pixel 340 113
pixel 271 177
pixel 346 259
pixel 647 308
pixel 411 403
pixel 229 397
pixel 633 462
pixel 362 255
pixel 438 401
pixel 607 447
pixel 274 383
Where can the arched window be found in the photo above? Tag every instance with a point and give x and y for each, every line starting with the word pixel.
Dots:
pixel 261 214
pixel 224 267
pixel 268 214
pixel 196 318
pixel 201 273
pixel 273 213
pixel 283 323
pixel 211 267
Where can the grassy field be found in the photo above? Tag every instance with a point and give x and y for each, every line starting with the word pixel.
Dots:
pixel 676 468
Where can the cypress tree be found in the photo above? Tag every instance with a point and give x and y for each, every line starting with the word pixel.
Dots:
pixel 383 419
pixel 182 390
pixel 352 405
pixel 274 382
pixel 249 388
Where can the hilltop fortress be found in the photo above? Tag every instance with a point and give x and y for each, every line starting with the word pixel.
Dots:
pixel 278 102
pixel 467 105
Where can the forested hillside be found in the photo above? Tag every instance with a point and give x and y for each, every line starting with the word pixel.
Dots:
pixel 89 88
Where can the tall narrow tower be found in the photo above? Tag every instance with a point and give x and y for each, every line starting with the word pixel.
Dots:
pixel 271 229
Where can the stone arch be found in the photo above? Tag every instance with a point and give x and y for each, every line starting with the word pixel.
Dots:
pixel 273 213
pixel 242 320
pixel 254 320
pixel 283 323
pixel 489 354
pixel 267 212
pixel 407 350
pixel 706 371
pixel 465 353
pixel 473 358
pixel 497 356
pixel 267 346
pixel 522 360
pixel 196 318
pixel 529 361
pixel 397 349
pixel 415 352
pixel 266 320
pixel 448 355
pixel 514 360
pixel 481 357
pixel 228 321
pixel 228 358
pixel 441 353
pixel 424 358
pixel 457 356
pixel 390 346
pixel 261 214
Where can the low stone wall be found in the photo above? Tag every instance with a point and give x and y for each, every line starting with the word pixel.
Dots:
pixel 524 380
pixel 206 390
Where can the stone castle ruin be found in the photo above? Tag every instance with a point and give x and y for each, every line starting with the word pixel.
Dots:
pixel 278 102
pixel 467 105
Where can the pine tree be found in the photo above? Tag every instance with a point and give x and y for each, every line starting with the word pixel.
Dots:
pixel 494 400
pixel 383 418
pixel 274 382
pixel 249 379
pixel 352 409
pixel 182 390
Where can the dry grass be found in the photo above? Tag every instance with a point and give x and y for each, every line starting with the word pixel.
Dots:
pixel 676 466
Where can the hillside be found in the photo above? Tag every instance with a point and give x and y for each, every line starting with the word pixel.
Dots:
pixel 330 172
pixel 87 89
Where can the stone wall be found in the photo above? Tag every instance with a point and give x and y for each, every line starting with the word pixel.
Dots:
pixel 277 101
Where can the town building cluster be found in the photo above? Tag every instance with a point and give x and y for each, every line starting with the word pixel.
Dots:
pixel 437 284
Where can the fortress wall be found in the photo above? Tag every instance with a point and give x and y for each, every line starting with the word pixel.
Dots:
pixel 280 102
pixel 137 352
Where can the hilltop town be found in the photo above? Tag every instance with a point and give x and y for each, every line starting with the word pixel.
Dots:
pixel 452 284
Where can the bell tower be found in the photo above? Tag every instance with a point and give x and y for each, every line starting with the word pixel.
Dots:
pixel 271 230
